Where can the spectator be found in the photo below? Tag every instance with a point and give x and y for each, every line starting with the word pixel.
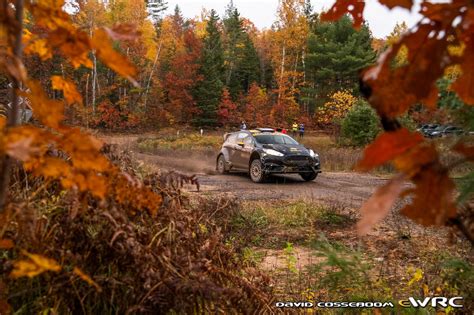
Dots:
pixel 294 129
pixel 243 126
pixel 301 130
pixel 284 131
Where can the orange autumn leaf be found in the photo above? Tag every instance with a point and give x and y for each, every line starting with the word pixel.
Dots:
pixel 433 201
pixel 21 149
pixel 388 146
pixel 341 7
pixel 412 161
pixel 114 60
pixel 86 278
pixel 379 204
pixel 68 87
pixel 74 45
pixel 6 243
pixel 39 47
pixel 35 265
pixel 3 122
pixel 49 112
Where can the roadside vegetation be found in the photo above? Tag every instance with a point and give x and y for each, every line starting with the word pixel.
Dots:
pixel 313 254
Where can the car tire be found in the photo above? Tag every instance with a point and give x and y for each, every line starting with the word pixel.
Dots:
pixel 221 165
pixel 256 171
pixel 307 177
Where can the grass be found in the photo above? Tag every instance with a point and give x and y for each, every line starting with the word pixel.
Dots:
pixel 311 251
pixel 190 141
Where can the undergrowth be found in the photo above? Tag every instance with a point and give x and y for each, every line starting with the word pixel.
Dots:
pixel 176 262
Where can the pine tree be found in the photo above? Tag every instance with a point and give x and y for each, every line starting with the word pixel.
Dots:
pixel 208 91
pixel 336 54
pixel 241 58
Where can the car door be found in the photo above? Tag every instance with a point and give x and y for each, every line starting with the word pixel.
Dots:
pixel 240 150
pixel 246 151
pixel 230 148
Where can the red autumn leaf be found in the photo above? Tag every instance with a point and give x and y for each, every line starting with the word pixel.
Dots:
pixel 388 146
pixel 464 85
pixel 407 4
pixel 467 151
pixel 379 204
pixel 412 161
pixel 394 90
pixel 6 243
pixel 433 201
pixel 341 7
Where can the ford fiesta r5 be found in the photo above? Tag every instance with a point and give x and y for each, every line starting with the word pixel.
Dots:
pixel 263 152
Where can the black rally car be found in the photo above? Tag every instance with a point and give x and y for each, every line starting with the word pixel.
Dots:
pixel 263 151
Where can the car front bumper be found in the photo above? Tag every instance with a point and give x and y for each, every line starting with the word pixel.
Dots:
pixel 290 164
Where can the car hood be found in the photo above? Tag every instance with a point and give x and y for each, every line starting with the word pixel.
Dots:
pixel 293 149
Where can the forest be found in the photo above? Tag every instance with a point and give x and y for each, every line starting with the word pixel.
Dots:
pixel 111 115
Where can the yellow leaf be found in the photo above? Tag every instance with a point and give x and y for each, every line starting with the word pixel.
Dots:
pixel 417 276
pixel 426 290
pixel 36 265
pixel 68 87
pixel 86 278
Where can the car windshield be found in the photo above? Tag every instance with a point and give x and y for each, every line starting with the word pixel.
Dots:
pixel 274 139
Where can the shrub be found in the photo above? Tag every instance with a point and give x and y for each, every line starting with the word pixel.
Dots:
pixel 360 126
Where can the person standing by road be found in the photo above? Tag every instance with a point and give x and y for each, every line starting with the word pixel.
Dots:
pixel 301 131
pixel 243 126
pixel 294 129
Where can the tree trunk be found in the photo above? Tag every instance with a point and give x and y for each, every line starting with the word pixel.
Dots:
pixel 281 73
pixel 151 74
pixel 13 112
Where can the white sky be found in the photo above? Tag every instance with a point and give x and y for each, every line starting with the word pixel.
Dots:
pixel 263 12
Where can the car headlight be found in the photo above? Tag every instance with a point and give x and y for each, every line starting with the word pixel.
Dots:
pixel 313 155
pixel 273 152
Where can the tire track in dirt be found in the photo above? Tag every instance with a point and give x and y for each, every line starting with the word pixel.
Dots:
pixel 350 189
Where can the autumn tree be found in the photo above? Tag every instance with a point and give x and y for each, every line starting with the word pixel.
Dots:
pixel 335 108
pixel 208 91
pixel 256 110
pixel 288 50
pixel 227 111
pixel 182 78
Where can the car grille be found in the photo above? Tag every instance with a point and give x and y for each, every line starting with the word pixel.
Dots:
pixel 297 159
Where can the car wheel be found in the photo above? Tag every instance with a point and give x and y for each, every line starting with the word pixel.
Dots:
pixel 221 165
pixel 307 177
pixel 256 171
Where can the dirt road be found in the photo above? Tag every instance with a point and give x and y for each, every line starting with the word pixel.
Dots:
pixel 349 188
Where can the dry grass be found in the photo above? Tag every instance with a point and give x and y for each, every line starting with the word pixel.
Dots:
pixel 312 252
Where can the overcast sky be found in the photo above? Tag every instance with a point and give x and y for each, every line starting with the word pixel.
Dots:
pixel 263 12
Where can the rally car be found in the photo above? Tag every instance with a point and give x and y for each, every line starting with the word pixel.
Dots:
pixel 263 151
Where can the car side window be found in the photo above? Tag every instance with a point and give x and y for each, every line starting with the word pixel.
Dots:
pixel 241 136
pixel 248 142
pixel 232 138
